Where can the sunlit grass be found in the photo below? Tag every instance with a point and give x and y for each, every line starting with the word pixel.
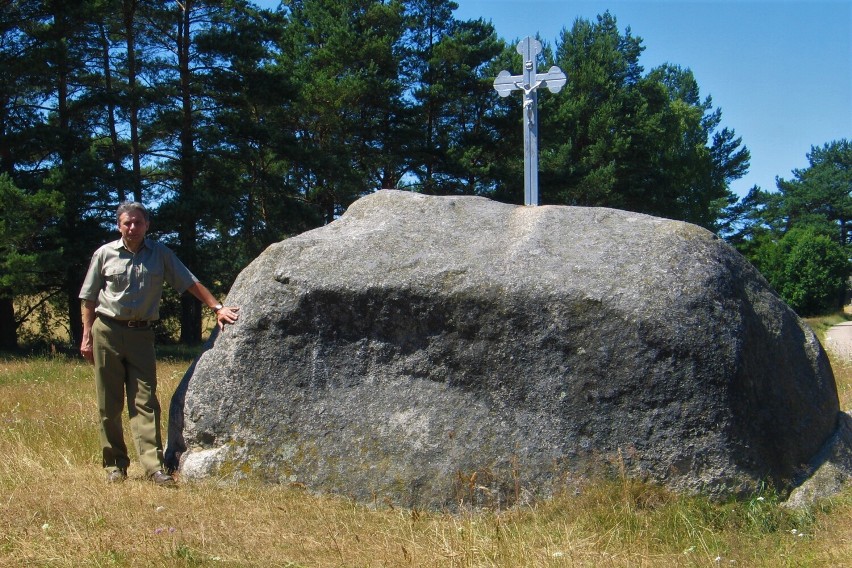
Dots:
pixel 56 509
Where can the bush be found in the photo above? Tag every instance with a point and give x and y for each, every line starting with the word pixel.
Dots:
pixel 808 269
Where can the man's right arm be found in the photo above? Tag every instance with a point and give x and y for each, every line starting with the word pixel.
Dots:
pixel 89 293
pixel 86 345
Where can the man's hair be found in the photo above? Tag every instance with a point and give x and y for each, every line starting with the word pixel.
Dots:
pixel 129 206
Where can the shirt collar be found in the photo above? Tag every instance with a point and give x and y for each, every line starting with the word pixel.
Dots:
pixel 119 244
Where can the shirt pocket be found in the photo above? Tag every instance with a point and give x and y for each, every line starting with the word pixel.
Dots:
pixel 116 279
pixel 152 278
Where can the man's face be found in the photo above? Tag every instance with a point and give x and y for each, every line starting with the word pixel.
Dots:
pixel 132 226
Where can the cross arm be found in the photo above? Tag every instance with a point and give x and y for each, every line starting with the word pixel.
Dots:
pixel 554 79
pixel 505 83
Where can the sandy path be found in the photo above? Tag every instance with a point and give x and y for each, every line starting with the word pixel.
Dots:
pixel 838 340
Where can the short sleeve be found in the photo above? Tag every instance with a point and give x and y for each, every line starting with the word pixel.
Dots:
pixel 94 281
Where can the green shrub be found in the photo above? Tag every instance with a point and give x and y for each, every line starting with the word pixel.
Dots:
pixel 808 269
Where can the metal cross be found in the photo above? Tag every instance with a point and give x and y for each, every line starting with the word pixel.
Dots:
pixel 529 83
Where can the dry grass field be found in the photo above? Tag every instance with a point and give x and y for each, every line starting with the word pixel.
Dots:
pixel 57 510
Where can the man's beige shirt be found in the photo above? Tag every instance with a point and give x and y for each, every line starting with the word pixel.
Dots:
pixel 127 285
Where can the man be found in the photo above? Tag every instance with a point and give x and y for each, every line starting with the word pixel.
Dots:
pixel 121 298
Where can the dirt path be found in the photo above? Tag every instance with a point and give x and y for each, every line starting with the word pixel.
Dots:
pixel 838 340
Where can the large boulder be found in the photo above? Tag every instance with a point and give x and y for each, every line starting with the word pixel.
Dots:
pixel 436 350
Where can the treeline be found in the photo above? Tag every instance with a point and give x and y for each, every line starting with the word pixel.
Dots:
pixel 241 127
pixel 799 236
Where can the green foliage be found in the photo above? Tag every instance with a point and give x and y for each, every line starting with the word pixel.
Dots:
pixel 799 236
pixel 348 114
pixel 814 274
pixel 808 270
pixel 821 194
pixel 635 141
pixel 26 226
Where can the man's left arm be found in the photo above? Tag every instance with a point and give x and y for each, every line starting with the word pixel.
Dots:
pixel 224 314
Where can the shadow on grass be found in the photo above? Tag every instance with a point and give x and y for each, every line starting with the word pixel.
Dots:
pixel 179 352
pixel 170 352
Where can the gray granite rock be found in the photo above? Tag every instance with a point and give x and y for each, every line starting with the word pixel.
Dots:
pixel 832 469
pixel 432 351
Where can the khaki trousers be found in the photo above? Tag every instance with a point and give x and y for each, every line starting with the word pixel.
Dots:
pixel 126 366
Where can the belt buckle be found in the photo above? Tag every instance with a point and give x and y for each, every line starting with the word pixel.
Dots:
pixel 133 323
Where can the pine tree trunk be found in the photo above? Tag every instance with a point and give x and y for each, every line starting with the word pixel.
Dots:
pixel 8 328
pixel 190 320
pixel 75 314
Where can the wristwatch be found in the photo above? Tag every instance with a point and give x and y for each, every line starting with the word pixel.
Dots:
pixel 217 307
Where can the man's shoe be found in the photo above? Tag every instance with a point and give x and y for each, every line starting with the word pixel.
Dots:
pixel 116 476
pixel 163 479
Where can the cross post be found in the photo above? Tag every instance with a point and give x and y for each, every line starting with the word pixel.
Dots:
pixel 529 83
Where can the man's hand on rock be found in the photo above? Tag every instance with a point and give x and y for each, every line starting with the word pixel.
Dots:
pixel 226 315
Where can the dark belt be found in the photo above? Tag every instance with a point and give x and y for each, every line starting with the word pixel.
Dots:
pixel 126 323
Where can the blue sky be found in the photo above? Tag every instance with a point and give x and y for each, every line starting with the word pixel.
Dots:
pixel 780 70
